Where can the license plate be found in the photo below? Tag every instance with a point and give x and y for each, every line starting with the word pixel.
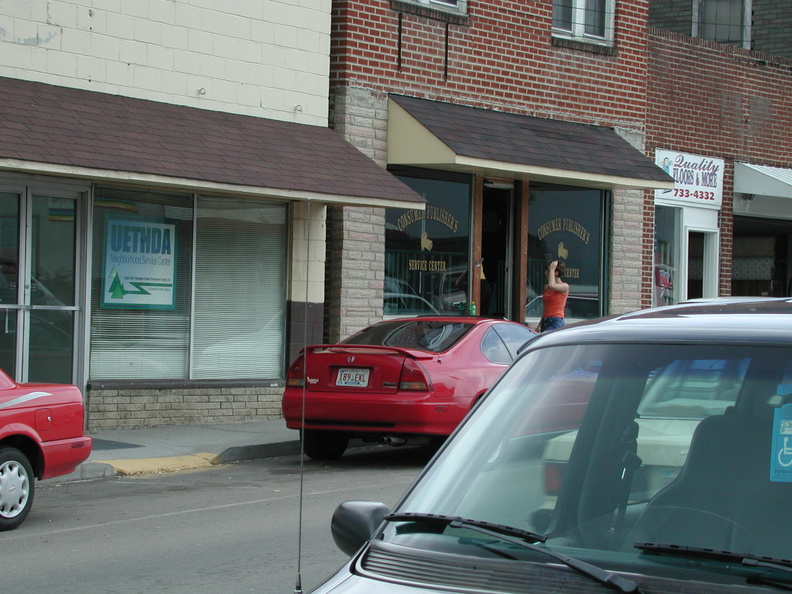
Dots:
pixel 352 378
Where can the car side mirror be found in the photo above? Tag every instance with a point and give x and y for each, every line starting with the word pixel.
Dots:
pixel 354 522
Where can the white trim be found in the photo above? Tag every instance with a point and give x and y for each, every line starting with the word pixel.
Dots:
pixel 192 185
pixel 578 31
pixel 762 180
pixel 459 7
pixel 710 260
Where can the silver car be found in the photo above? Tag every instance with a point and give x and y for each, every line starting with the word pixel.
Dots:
pixel 649 452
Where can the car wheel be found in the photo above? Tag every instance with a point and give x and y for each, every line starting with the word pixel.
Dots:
pixel 17 485
pixel 324 445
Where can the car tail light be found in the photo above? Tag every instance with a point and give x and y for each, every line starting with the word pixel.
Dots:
pixel 296 376
pixel 554 477
pixel 413 377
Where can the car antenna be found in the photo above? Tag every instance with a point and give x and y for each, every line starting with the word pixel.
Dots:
pixel 298 582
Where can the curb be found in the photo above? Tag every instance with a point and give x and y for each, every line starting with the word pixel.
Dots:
pixel 136 466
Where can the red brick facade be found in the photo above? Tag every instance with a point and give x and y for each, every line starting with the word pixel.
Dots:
pixel 500 56
pixel 710 99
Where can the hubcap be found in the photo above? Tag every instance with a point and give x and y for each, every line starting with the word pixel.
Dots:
pixel 14 489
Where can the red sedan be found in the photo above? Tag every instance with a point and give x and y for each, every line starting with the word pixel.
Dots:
pixel 397 382
pixel 41 436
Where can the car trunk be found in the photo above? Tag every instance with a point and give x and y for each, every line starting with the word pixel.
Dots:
pixel 364 368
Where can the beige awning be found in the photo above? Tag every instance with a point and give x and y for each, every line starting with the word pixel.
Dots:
pixel 450 137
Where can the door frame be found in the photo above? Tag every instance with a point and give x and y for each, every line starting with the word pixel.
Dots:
pixel 26 187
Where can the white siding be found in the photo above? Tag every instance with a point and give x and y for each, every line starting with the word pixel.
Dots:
pixel 262 58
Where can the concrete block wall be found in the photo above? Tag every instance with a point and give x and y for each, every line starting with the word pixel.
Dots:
pixel 265 58
pixel 629 247
pixel 356 265
pixel 130 408
pixel 356 269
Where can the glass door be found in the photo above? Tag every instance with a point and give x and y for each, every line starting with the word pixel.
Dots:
pixel 37 288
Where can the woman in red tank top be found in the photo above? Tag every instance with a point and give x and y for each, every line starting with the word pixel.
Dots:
pixel 554 297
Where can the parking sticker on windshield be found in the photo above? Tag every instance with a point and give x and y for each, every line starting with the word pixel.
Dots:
pixel 781 460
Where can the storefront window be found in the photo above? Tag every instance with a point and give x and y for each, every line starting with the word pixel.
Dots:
pixel 566 224
pixel 427 252
pixel 666 255
pixel 141 285
pixel 240 288
pixel 170 301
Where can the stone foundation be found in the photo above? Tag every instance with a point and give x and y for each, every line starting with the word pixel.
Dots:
pixel 134 407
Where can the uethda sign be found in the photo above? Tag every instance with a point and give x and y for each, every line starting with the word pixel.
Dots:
pixel 139 268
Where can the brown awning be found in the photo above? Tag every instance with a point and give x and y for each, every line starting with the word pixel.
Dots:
pixel 459 138
pixel 46 129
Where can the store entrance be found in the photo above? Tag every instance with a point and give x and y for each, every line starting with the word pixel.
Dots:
pixel 762 257
pixel 497 238
pixel 38 267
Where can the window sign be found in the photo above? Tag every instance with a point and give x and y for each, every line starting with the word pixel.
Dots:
pixel 426 251
pixel 139 269
pixel 565 224
pixel 698 180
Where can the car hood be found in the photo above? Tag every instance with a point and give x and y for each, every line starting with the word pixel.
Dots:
pixel 345 582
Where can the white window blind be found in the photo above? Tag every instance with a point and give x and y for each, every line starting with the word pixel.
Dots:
pixel 240 289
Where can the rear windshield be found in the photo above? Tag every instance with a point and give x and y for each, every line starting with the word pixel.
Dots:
pixel 426 335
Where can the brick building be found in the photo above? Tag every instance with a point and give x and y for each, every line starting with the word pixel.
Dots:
pixel 701 81
pixel 720 94
pixel 523 126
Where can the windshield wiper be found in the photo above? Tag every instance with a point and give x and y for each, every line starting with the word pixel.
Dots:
pixel 746 559
pixel 524 538
pixel 500 529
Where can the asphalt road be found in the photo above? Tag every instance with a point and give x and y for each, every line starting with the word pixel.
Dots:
pixel 231 528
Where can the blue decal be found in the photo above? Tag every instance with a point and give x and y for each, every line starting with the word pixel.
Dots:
pixel 781 458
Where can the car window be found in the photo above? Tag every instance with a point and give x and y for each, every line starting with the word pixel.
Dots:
pixel 502 341
pixel 427 335
pixel 577 441
pixel 514 336
pixel 494 348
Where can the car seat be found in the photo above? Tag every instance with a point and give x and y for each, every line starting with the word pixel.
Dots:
pixel 723 497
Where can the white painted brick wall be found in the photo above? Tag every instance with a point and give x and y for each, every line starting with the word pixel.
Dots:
pixel 255 57
pixel 309 230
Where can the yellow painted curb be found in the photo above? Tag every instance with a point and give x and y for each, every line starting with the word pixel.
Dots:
pixel 167 464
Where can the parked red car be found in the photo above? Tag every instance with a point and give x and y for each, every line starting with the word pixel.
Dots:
pixel 41 436
pixel 399 382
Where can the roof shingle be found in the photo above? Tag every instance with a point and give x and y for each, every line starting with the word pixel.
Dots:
pixel 64 126
pixel 525 140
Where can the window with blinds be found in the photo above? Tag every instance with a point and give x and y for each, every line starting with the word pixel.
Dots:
pixel 240 289
pixel 225 318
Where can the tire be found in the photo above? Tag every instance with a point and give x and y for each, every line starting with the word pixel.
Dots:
pixel 324 445
pixel 17 486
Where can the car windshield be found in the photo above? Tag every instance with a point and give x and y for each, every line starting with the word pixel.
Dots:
pixel 426 335
pixel 585 444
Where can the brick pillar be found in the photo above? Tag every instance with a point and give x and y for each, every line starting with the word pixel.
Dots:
pixel 629 274
pixel 356 236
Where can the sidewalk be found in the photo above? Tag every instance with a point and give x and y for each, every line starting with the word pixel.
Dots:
pixel 182 447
